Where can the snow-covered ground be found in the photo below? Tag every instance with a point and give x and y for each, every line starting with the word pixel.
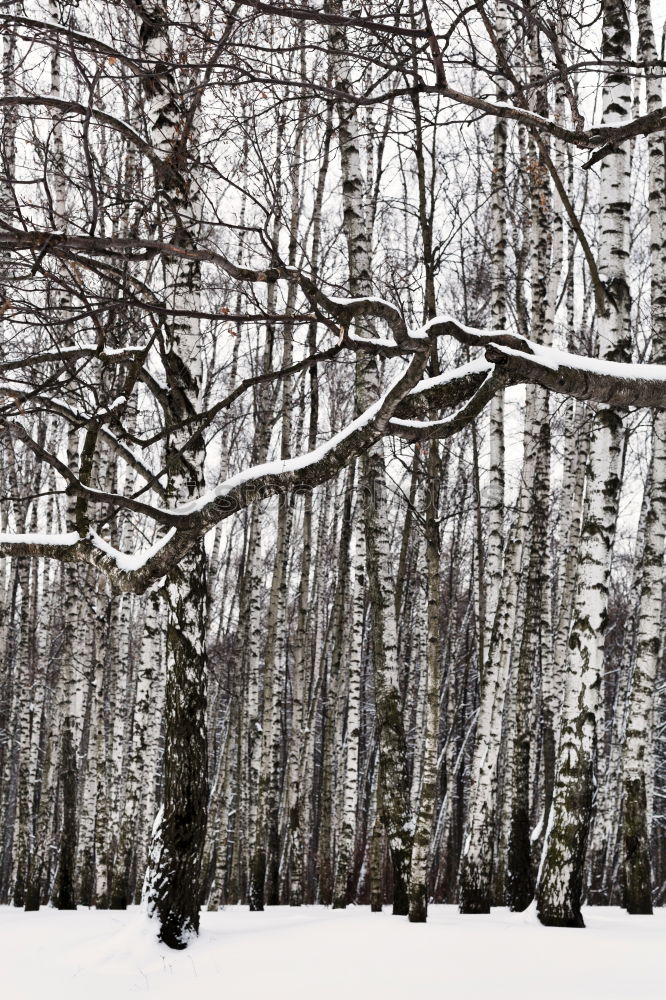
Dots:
pixel 319 954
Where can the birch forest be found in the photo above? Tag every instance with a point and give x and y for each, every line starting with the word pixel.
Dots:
pixel 332 456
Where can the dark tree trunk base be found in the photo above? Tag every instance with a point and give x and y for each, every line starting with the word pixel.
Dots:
pixel 172 935
pixel 32 895
pixel 470 907
pixel 87 882
pixel 31 903
pixel 258 881
pixel 120 895
pixel 173 883
pixel 65 892
pixel 639 909
pixel 418 907
pixel 636 841
pixel 567 921
pixel 400 863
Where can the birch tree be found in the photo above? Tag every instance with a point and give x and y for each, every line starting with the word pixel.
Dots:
pixel 560 878
pixel 237 311
pixel 637 760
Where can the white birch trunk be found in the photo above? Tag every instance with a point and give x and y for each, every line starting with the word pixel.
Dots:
pixel 347 827
pixel 560 882
pixel 393 790
pixel 637 762
pixel 172 887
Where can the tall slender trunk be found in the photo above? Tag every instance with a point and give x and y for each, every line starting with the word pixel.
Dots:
pixel 477 848
pixel 172 881
pixel 491 572
pixel 138 750
pixel 534 650
pixel 425 814
pixel 560 882
pixel 347 828
pixel 637 763
pixel 304 616
pixel 331 725
pixel 393 789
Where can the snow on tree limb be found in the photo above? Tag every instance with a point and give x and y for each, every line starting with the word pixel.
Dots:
pixel 472 385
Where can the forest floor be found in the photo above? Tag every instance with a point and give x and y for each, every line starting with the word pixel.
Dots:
pixel 314 953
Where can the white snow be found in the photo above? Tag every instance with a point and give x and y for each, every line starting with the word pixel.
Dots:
pixel 282 466
pixel 125 561
pixel 129 561
pixel 476 367
pixel 77 349
pixel 474 331
pixel 372 341
pixel 314 953
pixel 505 106
pixel 39 538
pixel 375 299
pixel 551 357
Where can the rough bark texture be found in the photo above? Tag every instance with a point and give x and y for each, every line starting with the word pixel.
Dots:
pixel 560 883
pixel 638 774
